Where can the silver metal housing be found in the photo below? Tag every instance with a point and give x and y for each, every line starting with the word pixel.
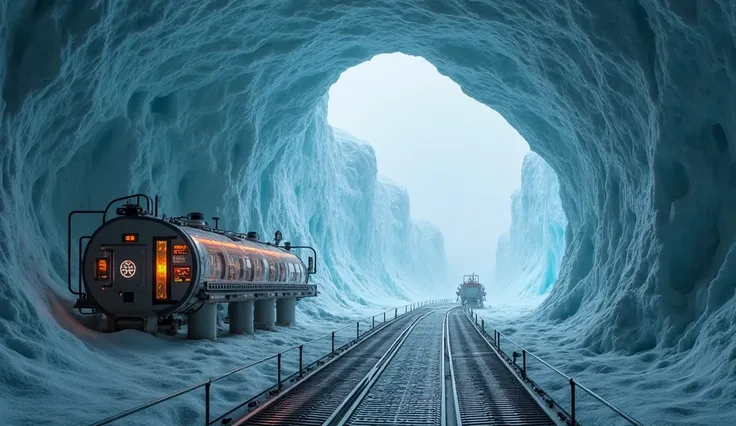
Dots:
pixel 125 276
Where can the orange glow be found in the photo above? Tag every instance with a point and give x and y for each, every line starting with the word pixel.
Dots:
pixel 182 274
pixel 161 270
pixel 217 245
pixel 130 238
pixel 181 250
pixel 241 247
pixel 102 269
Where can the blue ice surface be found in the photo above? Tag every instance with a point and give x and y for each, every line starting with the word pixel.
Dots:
pixel 528 256
pixel 219 105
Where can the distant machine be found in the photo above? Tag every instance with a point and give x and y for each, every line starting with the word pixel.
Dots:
pixel 471 292
pixel 156 273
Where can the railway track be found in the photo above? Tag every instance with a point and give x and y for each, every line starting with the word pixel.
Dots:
pixel 430 368
pixel 321 397
pixel 408 390
pixel 486 392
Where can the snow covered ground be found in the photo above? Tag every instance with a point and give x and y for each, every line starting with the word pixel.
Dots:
pixel 108 373
pixel 656 387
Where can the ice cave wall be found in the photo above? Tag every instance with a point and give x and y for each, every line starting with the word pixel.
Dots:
pixel 528 255
pixel 631 103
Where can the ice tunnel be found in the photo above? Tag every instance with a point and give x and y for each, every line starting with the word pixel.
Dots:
pixel 631 103
pixel 529 254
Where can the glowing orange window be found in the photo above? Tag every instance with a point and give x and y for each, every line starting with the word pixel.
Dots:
pixel 102 269
pixel 162 270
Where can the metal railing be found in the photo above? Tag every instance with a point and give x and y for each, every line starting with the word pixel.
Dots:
pixel 280 381
pixel 495 340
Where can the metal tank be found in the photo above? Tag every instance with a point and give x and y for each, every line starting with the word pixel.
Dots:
pixel 154 273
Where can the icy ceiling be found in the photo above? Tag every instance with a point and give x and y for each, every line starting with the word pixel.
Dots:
pixel 630 102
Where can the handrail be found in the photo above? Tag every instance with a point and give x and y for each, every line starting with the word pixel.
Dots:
pixel 572 381
pixel 206 384
pixel 252 364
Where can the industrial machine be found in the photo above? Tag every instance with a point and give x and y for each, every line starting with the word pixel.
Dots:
pixel 471 292
pixel 156 273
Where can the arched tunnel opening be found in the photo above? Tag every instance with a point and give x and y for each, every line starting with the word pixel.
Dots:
pixel 222 104
pixel 461 164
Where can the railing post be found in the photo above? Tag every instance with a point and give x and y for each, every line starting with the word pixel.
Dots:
pixel 333 343
pixel 301 351
pixel 207 402
pixel 278 372
pixel 373 321
pixel 482 325
pixel 384 317
pixel 396 313
pixel 523 363
pixel 572 401
pixel 357 330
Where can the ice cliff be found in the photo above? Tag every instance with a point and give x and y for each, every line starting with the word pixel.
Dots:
pixel 528 256
pixel 221 103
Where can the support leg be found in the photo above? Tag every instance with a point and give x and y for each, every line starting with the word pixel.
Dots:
pixel 241 317
pixel 203 323
pixel 286 311
pixel 265 314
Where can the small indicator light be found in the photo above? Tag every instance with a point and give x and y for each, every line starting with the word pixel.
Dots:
pixel 130 238
pixel 101 269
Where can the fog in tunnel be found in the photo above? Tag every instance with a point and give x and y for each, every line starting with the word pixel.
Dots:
pixel 221 106
pixel 459 160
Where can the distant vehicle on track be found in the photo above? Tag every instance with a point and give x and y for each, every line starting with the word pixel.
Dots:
pixel 155 273
pixel 471 292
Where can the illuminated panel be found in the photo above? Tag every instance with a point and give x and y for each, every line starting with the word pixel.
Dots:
pixel 130 238
pixel 181 250
pixel 182 274
pixel 102 269
pixel 161 269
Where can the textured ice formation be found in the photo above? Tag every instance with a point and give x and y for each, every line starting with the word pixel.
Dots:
pixel 221 103
pixel 528 256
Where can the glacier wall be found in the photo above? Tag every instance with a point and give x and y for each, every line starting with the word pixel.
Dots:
pixel 631 103
pixel 528 255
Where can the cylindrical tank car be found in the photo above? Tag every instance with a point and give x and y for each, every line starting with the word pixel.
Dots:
pixel 151 273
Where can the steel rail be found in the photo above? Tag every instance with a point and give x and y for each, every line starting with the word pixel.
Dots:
pixel 208 383
pixel 256 416
pixel 356 396
pixel 456 402
pixel 525 352
pixel 508 399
